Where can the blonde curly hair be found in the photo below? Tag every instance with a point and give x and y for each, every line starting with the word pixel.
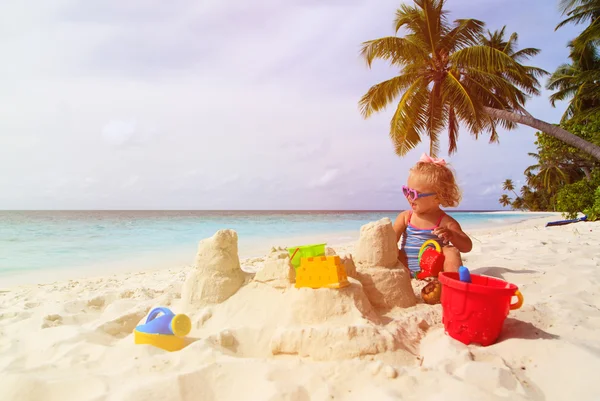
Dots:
pixel 442 180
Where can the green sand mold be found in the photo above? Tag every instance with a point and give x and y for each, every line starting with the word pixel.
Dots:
pixel 306 251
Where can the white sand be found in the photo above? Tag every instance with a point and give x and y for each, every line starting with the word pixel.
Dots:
pixel 72 341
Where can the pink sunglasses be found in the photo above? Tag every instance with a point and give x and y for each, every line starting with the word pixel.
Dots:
pixel 412 194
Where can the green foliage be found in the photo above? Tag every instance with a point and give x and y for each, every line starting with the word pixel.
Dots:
pixel 563 177
pixel 593 212
pixel 582 12
pixel 577 81
pixel 579 196
pixel 587 128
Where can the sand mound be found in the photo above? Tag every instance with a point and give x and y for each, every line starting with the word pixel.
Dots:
pixel 329 324
pixel 277 270
pixel 385 280
pixel 217 274
pixel 387 288
pixel 377 244
pixel 323 323
pixel 328 306
pixel 341 324
pixel 332 343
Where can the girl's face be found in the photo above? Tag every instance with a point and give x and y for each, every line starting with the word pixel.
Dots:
pixel 420 194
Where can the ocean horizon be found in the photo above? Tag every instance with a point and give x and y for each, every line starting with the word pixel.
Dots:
pixel 49 240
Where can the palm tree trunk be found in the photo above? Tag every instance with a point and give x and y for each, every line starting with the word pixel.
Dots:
pixel 549 129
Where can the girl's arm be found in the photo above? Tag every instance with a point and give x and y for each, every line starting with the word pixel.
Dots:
pixel 400 224
pixel 399 228
pixel 453 233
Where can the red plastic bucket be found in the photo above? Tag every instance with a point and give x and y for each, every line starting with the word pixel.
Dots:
pixel 475 312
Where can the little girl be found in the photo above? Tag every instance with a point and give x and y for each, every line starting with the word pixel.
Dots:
pixel 430 184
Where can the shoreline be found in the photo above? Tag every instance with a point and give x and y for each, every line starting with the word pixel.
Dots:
pixel 251 255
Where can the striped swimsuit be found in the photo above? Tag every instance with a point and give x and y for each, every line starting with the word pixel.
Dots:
pixel 412 240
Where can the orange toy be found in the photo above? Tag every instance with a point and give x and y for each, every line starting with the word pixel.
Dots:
pixel 431 260
pixel 321 272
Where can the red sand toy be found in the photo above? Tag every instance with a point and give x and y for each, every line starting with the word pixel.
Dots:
pixel 431 260
pixel 474 312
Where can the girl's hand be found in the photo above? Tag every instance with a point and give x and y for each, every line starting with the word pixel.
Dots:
pixel 444 234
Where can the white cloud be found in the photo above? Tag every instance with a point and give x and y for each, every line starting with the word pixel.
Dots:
pixel 127 133
pixel 130 182
pixel 119 132
pixel 325 180
pixel 492 189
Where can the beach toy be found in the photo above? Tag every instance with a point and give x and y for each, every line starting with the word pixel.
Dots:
pixel 475 312
pixel 432 292
pixel 431 260
pixel 564 222
pixel 464 275
pixel 167 331
pixel 305 251
pixel 321 272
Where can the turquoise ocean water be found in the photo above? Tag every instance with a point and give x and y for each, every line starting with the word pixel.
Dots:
pixel 33 241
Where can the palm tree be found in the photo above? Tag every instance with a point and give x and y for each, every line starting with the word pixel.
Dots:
pixel 509 186
pixel 449 77
pixel 504 200
pixel 550 173
pixel 518 203
pixel 577 81
pixel 532 180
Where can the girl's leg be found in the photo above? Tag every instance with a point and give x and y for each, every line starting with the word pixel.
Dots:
pixel 453 260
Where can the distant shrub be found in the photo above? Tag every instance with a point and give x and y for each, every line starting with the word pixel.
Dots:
pixel 593 212
pixel 581 196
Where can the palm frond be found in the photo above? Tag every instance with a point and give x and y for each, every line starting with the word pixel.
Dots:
pixel 579 11
pixel 452 130
pixel 410 118
pixel 484 58
pixel 589 36
pixel 382 94
pixel 525 54
pixel 494 137
pixel 465 33
pixel 467 108
pixel 563 94
pixel 437 117
pixel 398 51
pixel 495 89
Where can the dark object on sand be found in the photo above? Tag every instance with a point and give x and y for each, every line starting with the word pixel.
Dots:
pixel 431 292
pixel 564 222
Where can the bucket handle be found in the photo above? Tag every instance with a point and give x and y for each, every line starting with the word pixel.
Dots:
pixel 426 244
pixel 157 311
pixel 519 302
pixel 294 254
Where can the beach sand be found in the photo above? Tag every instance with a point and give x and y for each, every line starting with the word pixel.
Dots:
pixel 72 340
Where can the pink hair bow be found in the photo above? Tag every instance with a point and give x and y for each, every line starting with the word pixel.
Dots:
pixel 427 159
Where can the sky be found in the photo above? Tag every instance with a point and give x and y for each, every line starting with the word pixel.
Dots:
pixel 228 104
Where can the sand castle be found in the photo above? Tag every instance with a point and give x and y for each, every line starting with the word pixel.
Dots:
pixel 321 323
pixel 385 280
pixel 217 274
